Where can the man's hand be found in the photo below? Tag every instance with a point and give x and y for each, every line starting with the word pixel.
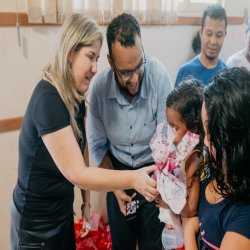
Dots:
pixel 122 198
pixel 85 219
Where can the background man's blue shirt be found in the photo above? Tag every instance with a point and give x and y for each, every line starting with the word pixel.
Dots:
pixel 124 128
pixel 194 69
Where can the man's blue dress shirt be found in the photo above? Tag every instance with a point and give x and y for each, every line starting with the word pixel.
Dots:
pixel 124 128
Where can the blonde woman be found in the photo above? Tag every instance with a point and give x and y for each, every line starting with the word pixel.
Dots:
pixel 52 144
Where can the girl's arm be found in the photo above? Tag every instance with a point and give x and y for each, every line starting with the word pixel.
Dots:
pixel 67 156
pixel 192 164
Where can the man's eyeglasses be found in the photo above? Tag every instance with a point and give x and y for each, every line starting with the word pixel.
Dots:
pixel 139 70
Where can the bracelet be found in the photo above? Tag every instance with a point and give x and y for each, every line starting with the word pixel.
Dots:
pixel 85 203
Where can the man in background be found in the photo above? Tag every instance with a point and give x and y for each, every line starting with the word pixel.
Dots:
pixel 212 33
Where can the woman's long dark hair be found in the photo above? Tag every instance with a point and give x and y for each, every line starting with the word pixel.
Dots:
pixel 227 102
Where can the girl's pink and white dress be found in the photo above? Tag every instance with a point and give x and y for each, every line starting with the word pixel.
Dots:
pixel 170 171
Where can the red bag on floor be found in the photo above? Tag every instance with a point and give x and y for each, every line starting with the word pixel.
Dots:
pixel 182 248
pixel 98 238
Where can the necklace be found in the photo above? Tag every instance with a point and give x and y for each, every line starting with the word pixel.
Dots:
pixel 216 196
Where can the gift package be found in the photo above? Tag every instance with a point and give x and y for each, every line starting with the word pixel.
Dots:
pixel 98 238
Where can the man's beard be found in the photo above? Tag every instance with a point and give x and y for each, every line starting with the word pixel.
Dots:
pixel 209 57
pixel 125 90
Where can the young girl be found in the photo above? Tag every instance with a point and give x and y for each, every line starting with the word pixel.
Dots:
pixel 183 112
pixel 224 202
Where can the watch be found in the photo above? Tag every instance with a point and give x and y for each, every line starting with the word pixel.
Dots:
pixel 85 203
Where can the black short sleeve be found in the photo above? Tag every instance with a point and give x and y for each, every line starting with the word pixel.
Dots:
pixel 50 113
pixel 240 220
pixel 41 190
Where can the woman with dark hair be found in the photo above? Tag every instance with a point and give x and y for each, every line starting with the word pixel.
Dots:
pixel 224 203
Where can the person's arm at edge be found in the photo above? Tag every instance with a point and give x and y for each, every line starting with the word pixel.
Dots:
pixel 237 234
pixel 234 241
pixel 190 229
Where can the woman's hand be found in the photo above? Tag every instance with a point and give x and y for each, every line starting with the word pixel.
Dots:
pixel 122 198
pixel 145 185
pixel 85 220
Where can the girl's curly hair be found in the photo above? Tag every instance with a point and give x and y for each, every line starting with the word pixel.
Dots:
pixel 187 99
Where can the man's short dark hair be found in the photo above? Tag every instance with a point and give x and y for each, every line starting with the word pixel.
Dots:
pixel 216 12
pixel 123 29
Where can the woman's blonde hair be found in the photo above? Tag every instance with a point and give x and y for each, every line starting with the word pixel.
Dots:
pixel 77 31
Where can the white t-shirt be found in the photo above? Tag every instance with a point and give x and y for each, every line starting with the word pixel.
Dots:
pixel 238 60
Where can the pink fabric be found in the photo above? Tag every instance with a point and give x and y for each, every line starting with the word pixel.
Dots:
pixel 167 157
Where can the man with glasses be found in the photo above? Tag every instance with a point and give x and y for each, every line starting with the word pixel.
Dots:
pixel 126 103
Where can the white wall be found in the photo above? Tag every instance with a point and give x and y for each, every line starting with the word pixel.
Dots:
pixel 21 66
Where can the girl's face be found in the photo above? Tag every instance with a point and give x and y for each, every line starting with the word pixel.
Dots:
pixel 207 136
pixel 175 121
pixel 84 65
